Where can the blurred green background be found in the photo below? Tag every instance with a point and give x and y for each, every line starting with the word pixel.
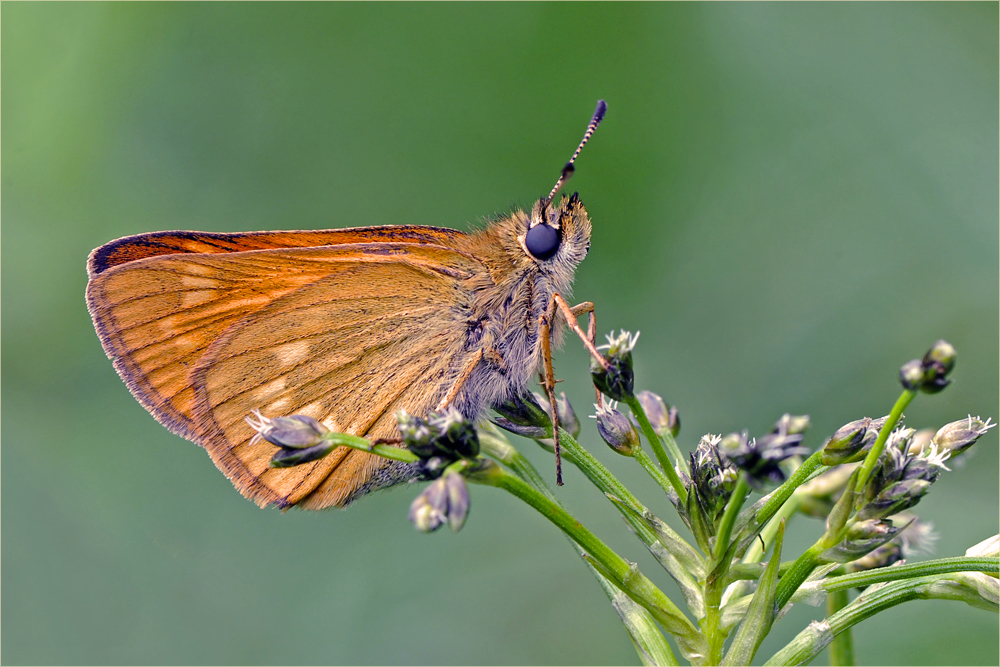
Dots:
pixel 789 200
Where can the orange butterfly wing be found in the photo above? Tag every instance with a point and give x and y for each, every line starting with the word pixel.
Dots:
pixel 347 331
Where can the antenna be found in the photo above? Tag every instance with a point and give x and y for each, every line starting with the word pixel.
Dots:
pixel 569 168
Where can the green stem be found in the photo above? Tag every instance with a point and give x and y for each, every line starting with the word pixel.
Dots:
pixel 872 458
pixel 657 445
pixel 595 471
pixel 842 646
pixel 647 428
pixel 797 574
pixel 736 500
pixel 985 564
pixel 498 448
pixel 801 475
pixel 811 641
pixel 755 552
pixel 361 444
pixel 650 467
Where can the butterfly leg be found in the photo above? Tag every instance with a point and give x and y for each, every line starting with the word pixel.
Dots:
pixel 463 376
pixel 570 313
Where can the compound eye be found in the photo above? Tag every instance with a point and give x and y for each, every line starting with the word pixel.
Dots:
pixel 542 241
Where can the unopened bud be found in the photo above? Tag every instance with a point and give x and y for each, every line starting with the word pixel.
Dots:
pixel 458 500
pixel 862 538
pixel 929 374
pixel 615 378
pixel 895 498
pixel 664 418
pixel 852 441
pixel 522 415
pixel 286 458
pixel 617 430
pixel 911 375
pixel 444 499
pixel 294 432
pixel 943 354
pixel 958 436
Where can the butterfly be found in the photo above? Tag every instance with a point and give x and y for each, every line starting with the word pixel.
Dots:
pixel 347 326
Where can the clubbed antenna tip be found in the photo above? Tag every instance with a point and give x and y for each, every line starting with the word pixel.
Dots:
pixel 567 171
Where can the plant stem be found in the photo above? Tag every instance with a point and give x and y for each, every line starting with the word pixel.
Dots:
pixel 798 573
pixel 872 458
pixel 985 564
pixel 657 445
pixel 808 644
pixel 842 646
pixel 784 492
pixel 650 467
pixel 729 518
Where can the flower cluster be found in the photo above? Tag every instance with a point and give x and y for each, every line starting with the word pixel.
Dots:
pixel 439 440
pixel 761 458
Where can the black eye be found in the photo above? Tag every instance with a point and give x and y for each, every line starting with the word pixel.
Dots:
pixel 542 241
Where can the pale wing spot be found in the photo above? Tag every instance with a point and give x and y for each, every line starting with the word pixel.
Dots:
pixel 169 325
pixel 290 354
pixel 313 410
pixel 187 342
pixel 279 406
pixel 197 297
pixel 264 392
pixel 198 282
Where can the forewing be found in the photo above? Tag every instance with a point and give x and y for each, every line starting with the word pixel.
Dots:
pixel 347 334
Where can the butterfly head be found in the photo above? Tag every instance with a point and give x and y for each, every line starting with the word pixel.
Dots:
pixel 557 235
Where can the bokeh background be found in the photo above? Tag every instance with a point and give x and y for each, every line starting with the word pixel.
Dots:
pixel 789 201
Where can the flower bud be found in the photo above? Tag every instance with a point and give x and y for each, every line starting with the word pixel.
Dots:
pixel 894 498
pixel 428 511
pixel 958 436
pixel 662 417
pixel 761 458
pixel 444 499
pixel 713 479
pixel 943 354
pixel 911 375
pixel 862 538
pixel 522 415
pixel 286 458
pixel 294 432
pixel 929 374
pixel 616 380
pixel 458 500
pixel 852 441
pixel 616 429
